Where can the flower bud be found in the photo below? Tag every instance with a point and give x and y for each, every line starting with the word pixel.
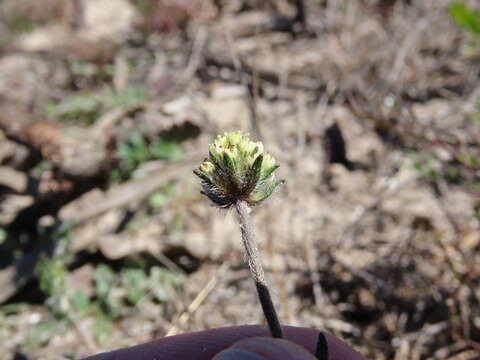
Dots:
pixel 237 169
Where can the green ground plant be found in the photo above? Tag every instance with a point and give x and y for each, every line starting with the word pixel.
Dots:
pixel 116 292
pixel 139 149
pixel 463 167
pixel 86 107
pixel 466 18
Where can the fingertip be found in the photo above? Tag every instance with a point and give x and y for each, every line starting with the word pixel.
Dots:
pixel 265 349
pixel 238 354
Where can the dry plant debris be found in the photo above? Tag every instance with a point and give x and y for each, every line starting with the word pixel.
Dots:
pixel 371 106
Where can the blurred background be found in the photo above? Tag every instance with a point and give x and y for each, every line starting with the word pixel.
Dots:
pixel 372 108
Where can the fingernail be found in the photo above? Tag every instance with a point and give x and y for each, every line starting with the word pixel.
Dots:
pixel 238 354
pixel 264 349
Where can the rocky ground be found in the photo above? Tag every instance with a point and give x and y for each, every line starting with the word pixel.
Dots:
pixel 106 107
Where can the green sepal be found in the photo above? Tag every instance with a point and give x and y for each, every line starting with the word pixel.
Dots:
pixel 253 174
pixel 203 177
pixel 266 173
pixel 237 169
pixel 263 193
pixel 257 167
pixel 215 160
pixel 229 165
pixel 272 188
pixel 221 172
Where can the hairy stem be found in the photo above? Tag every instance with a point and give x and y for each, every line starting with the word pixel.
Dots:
pixel 255 265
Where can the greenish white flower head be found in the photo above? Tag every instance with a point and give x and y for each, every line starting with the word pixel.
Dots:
pixel 237 169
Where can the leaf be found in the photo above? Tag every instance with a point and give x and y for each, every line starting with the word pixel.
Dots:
pixel 162 283
pixel 162 197
pixel 465 18
pixel 475 187
pixel 166 150
pixel 80 301
pixel 80 107
pixel 13 308
pixel 136 283
pixel 40 335
pixel 102 327
pixel 130 96
pixel 104 280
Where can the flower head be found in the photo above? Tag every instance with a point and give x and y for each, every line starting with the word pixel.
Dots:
pixel 237 169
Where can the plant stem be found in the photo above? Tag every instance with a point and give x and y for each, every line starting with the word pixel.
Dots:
pixel 256 269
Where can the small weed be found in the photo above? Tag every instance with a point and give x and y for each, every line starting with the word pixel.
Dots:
pixel 85 108
pixel 178 222
pixel 52 274
pixel 466 18
pixel 136 282
pixel 469 20
pixel 462 170
pixel 80 301
pixel 116 291
pixel 37 171
pixel 425 164
pixel 14 308
pixel 476 116
pixel 163 283
pixel 40 335
pixel 139 149
pixel 108 295
pixel 162 197
pixel 102 328
pixel 53 282
pixel 130 96
pixel 18 24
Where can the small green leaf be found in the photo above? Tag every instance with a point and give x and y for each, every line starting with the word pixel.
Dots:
pixel 80 301
pixel 162 283
pixel 476 187
pixel 102 328
pixel 136 283
pixel 465 18
pixel 13 308
pixel 40 335
pixel 104 280
pixel 166 150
